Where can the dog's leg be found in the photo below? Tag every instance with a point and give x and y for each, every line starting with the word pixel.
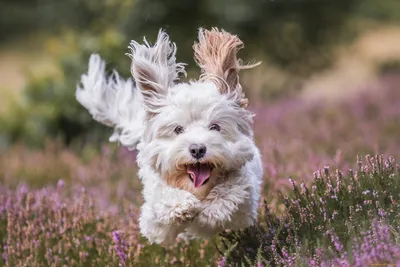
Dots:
pixel 172 205
pixel 166 213
pixel 156 230
pixel 227 206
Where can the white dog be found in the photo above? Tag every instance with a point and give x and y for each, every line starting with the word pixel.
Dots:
pixel 200 168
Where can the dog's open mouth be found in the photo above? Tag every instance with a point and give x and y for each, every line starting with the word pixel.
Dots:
pixel 199 173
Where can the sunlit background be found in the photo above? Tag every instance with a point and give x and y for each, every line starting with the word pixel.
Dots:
pixel 327 90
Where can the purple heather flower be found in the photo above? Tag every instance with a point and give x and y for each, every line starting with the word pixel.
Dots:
pixel 119 247
pixel 303 188
pixel 60 184
pixel 323 202
pixel 22 189
pixel 293 183
pixel 366 202
pixel 314 188
pixel 174 260
pixel 366 192
pixel 381 213
pixel 339 176
pixel 349 188
pixel 285 253
pixel 392 200
pixel 5 255
pixel 375 247
pixel 222 262
pixel 287 259
pixel 335 241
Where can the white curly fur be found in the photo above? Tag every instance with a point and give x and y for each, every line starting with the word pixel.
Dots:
pixel 145 118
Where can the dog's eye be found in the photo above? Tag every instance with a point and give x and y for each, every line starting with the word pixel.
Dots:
pixel 179 130
pixel 215 127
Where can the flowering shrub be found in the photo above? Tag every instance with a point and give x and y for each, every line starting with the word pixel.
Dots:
pixel 333 211
pixel 298 137
pixel 45 227
pixel 40 227
pixel 376 247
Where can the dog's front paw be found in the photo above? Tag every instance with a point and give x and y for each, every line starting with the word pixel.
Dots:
pixel 181 215
pixel 185 212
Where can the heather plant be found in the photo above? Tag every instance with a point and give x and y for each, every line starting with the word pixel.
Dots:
pixel 110 177
pixel 45 227
pixel 40 228
pixel 64 225
pixel 298 136
pixel 374 247
pixel 331 211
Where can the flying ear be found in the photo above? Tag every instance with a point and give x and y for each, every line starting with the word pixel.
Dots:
pixel 154 68
pixel 215 53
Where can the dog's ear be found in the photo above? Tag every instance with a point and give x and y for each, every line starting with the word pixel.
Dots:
pixel 215 53
pixel 154 68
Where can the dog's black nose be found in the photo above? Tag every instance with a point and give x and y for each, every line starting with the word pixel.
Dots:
pixel 197 151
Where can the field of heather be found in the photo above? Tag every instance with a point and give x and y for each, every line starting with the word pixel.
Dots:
pixel 331 194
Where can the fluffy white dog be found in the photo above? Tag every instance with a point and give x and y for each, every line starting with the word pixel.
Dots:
pixel 200 168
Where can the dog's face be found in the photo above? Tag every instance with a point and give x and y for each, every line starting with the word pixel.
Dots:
pixel 192 138
pixel 195 132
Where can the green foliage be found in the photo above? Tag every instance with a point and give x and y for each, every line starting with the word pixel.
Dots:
pixel 48 108
pixel 384 10
pixel 51 16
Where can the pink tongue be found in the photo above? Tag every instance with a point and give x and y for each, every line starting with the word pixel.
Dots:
pixel 199 172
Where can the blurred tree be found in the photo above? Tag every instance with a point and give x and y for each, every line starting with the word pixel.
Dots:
pixel 21 17
pixel 48 108
pixel 294 34
pixel 382 11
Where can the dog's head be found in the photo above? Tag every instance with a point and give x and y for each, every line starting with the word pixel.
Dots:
pixel 197 132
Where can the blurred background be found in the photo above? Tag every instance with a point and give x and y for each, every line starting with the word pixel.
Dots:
pixel 326 89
